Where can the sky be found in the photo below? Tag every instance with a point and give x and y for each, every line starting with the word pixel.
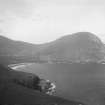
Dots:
pixel 41 21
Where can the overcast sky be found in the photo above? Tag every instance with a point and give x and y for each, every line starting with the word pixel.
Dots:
pixel 40 21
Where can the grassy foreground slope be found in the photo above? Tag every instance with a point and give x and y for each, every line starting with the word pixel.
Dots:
pixel 15 94
pixel 12 93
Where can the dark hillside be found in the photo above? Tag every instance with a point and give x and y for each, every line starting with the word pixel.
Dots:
pixel 77 47
pixel 16 51
pixel 14 93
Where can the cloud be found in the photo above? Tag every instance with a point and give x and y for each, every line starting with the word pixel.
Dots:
pixel 40 21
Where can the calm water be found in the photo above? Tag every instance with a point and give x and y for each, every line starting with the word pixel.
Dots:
pixel 81 82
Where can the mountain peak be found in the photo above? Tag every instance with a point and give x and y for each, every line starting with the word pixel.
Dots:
pixel 82 46
pixel 81 36
pixel 87 36
pixel 84 33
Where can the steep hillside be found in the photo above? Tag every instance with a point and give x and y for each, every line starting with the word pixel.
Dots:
pixel 81 46
pixel 77 47
pixel 16 51
pixel 10 47
pixel 13 93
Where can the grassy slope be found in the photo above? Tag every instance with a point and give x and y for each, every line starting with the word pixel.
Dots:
pixel 12 93
pixel 15 94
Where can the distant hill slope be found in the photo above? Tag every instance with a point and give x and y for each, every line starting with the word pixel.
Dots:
pixel 81 46
pixel 16 51
pixel 13 93
pixel 77 47
pixel 10 47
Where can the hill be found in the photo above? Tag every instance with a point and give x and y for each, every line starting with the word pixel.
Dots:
pixel 16 51
pixel 77 47
pixel 16 48
pixel 13 93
